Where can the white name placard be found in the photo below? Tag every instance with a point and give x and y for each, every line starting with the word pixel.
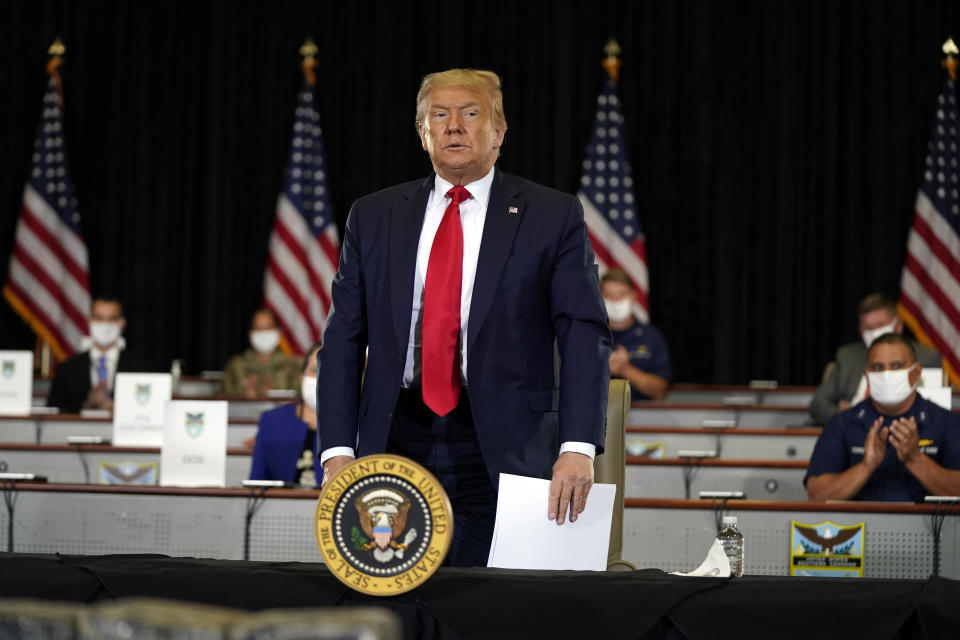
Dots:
pixel 942 396
pixel 931 377
pixel 139 401
pixel 194 450
pixel 16 382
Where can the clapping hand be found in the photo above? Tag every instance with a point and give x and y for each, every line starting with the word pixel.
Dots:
pixel 875 445
pixel 905 439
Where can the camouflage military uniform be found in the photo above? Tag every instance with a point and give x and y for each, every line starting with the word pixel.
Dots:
pixel 279 372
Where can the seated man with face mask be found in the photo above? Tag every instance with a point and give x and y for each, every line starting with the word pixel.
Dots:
pixel 845 382
pixel 640 355
pixel 893 446
pixel 263 366
pixel 85 381
pixel 286 445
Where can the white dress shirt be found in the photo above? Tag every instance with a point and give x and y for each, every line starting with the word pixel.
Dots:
pixel 473 213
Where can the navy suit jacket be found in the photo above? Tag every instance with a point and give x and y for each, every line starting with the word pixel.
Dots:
pixel 71 382
pixel 538 344
pixel 280 436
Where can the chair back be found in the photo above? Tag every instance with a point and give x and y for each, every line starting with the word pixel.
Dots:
pixel 610 467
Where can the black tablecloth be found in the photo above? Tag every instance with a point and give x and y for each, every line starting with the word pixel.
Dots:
pixel 496 603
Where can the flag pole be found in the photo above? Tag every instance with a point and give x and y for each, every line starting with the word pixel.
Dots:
pixel 309 52
pixel 56 51
pixel 949 63
pixel 612 60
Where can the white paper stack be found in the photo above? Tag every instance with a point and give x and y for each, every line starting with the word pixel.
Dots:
pixel 524 538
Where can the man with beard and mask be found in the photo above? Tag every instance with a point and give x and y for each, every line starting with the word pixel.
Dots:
pixel 641 356
pixel 895 445
pixel 845 384
pixel 85 381
pixel 263 366
pixel 286 441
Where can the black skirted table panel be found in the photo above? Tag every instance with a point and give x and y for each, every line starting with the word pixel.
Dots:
pixel 494 603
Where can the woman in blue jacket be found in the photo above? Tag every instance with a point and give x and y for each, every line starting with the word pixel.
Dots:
pixel 286 446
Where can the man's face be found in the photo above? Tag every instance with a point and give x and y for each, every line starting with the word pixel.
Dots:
pixel 459 134
pixel 892 357
pixel 616 291
pixel 879 318
pixel 103 311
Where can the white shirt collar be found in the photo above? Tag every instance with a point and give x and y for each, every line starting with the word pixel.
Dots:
pixel 480 189
pixel 88 344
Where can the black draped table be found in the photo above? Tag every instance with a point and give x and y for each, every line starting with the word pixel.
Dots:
pixel 496 603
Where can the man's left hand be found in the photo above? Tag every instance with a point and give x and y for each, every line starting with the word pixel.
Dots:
pixel 905 439
pixel 572 479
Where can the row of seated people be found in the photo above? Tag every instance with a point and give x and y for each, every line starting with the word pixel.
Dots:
pixel 85 381
pixel 892 445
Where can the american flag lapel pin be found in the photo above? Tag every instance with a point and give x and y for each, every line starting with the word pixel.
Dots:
pixel 512 210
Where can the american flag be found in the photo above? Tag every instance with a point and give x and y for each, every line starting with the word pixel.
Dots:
pixel 48 282
pixel 304 246
pixel 930 283
pixel 609 204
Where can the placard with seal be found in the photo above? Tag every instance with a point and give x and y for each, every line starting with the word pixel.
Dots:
pixel 384 525
pixel 826 549
pixel 16 383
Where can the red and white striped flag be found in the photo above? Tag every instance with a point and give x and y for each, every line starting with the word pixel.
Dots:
pixel 930 283
pixel 304 247
pixel 609 203
pixel 48 282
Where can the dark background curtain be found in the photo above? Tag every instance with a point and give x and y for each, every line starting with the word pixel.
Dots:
pixel 777 148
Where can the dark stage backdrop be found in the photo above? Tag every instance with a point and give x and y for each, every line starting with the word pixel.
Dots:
pixel 777 147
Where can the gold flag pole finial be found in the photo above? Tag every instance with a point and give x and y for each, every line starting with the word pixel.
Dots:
pixel 612 62
pixel 950 62
pixel 309 52
pixel 56 53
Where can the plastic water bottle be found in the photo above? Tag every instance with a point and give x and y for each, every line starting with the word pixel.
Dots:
pixel 176 372
pixel 732 542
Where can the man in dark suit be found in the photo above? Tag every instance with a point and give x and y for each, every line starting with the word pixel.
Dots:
pixel 85 381
pixel 477 294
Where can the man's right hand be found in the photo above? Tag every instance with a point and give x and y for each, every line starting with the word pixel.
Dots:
pixel 843 405
pixel 875 445
pixel 332 467
pixel 97 398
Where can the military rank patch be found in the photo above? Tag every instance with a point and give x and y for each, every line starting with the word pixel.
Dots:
pixel 384 525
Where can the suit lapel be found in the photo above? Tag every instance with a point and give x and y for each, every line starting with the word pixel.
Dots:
pixel 504 211
pixel 406 221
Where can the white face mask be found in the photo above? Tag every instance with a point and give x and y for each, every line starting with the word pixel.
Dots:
pixel 308 390
pixel 872 334
pixel 890 387
pixel 265 340
pixel 104 334
pixel 619 310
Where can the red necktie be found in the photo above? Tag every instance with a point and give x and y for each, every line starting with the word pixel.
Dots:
pixel 440 374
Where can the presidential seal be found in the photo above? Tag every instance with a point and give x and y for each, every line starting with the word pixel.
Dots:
pixel 384 525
